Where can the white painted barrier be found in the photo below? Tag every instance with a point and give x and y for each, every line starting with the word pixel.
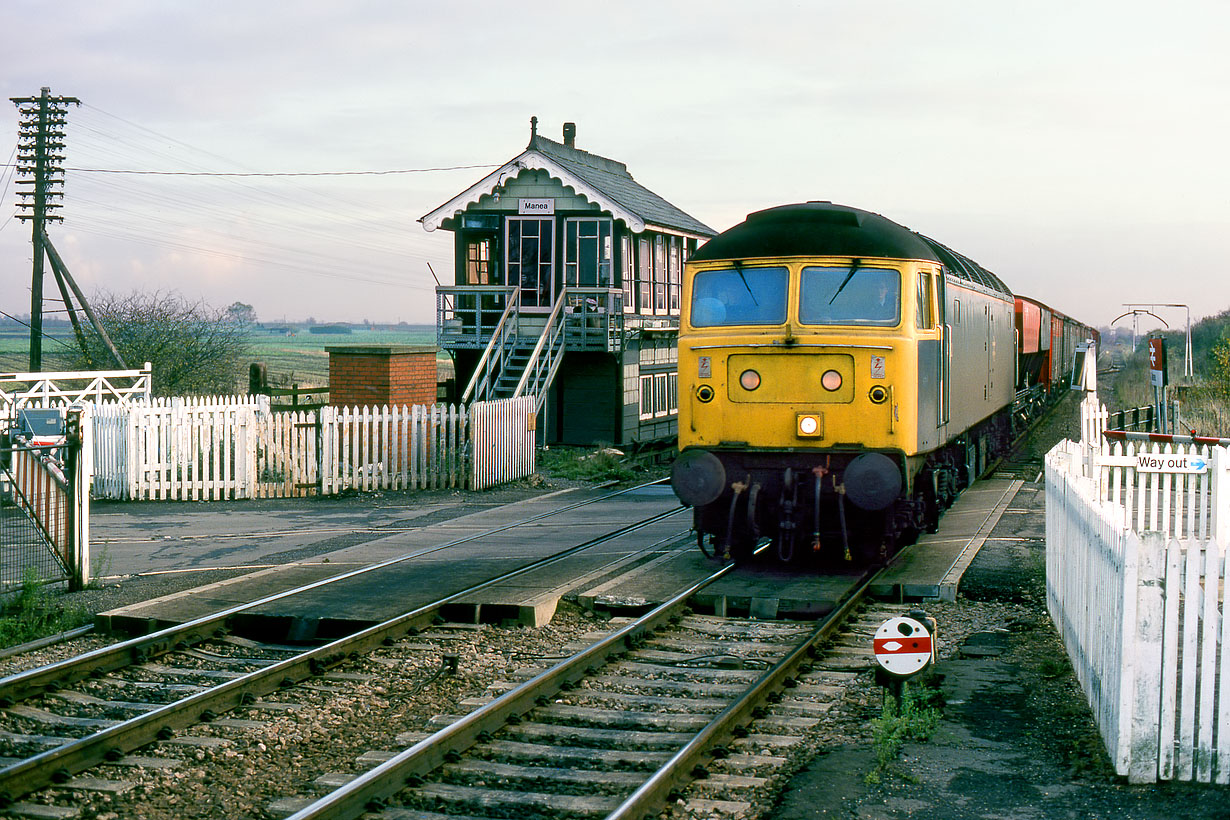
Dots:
pixel 502 444
pixel 237 447
pixel 1135 584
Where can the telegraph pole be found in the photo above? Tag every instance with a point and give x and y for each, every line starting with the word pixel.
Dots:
pixel 39 166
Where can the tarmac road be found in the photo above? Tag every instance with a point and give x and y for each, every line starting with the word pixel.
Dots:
pixel 141 539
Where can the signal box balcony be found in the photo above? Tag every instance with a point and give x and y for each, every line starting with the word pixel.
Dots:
pixel 468 317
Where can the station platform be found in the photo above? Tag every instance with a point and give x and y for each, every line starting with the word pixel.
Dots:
pixel 623 575
pixel 931 569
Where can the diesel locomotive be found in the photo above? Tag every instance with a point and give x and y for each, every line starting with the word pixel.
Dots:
pixel 841 379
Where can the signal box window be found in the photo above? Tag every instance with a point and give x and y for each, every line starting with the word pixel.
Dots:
pixel 478 262
pixel 587 253
pixel 659 274
pixel 628 273
pixel 673 268
pixel 850 296
pixel 531 261
pixel 644 267
pixel 739 296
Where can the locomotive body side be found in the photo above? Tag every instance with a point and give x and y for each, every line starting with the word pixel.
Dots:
pixel 983 354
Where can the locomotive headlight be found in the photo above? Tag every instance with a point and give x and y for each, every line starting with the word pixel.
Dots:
pixel 878 394
pixel 704 393
pixel 809 425
pixel 831 380
pixel 749 380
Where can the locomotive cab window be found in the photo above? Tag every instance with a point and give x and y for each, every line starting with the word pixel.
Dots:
pixel 739 296
pixel 850 296
pixel 925 320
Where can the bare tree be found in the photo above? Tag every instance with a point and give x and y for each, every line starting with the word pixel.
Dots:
pixel 241 313
pixel 195 349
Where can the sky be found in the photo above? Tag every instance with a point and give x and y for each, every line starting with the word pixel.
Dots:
pixel 1077 149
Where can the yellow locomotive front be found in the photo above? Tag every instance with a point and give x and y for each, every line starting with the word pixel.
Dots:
pixel 811 385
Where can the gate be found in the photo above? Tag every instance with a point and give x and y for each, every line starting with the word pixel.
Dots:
pixel 44 505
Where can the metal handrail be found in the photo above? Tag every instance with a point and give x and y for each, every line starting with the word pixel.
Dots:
pixel 505 329
pixel 549 340
pixel 540 370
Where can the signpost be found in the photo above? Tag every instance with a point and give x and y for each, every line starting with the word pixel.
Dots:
pixel 1157 377
pixel 1157 362
pixel 903 647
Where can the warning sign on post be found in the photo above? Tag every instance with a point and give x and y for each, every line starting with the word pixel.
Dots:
pixel 903 646
pixel 1157 363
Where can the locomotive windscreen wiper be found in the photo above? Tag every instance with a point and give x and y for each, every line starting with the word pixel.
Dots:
pixel 853 270
pixel 743 279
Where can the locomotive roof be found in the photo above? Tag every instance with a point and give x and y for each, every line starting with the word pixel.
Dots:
pixel 825 229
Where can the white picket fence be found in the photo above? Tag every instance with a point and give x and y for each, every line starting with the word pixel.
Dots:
pixel 236 447
pixel 1136 569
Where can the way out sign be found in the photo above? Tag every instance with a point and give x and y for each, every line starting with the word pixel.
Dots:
pixel 1189 463
pixel 903 646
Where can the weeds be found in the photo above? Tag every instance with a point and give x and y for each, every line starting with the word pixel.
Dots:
pixel 912 716
pixel 584 464
pixel 33 614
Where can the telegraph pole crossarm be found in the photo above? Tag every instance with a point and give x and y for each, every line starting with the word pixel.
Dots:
pixel 39 158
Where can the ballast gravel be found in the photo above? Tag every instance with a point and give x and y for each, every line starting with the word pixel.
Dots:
pixel 233 768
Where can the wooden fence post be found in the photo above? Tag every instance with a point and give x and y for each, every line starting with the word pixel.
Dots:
pixel 1141 661
pixel 1220 486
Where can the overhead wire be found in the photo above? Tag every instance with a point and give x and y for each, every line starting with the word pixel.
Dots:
pixel 276 221
pixel 293 201
pixel 10 173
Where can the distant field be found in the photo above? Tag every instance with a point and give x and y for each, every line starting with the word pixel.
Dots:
pixel 298 359
pixel 301 359
pixel 15 348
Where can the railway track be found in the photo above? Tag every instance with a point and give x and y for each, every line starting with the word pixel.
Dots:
pixel 623 725
pixel 63 718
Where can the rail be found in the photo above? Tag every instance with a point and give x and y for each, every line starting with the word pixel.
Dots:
pixel 379 784
pixel 76 755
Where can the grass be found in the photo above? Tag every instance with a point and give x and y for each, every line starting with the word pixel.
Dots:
pixel 298 359
pixel 912 716
pixel 1200 407
pixel 586 463
pixel 33 613
pixel 301 359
